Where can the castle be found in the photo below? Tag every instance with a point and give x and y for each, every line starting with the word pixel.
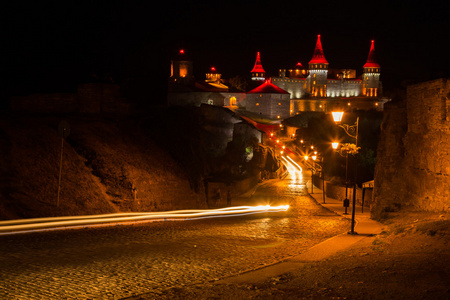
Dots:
pixel 319 81
pixel 316 88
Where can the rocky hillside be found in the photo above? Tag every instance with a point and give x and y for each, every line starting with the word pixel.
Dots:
pixel 108 166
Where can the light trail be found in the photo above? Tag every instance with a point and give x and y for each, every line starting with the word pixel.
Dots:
pixel 294 163
pixel 40 224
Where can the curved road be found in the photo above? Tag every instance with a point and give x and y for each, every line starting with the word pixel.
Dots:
pixel 124 261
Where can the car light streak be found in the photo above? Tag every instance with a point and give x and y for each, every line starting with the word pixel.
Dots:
pixel 18 226
pixel 294 163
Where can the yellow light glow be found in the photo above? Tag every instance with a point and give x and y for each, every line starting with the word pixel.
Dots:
pixel 306 157
pixel 314 157
pixel 335 145
pixel 337 116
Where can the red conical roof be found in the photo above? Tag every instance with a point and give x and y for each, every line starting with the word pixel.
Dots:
pixel 298 66
pixel 258 67
pixel 371 62
pixel 267 87
pixel 318 56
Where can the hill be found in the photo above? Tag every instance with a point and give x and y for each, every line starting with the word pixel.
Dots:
pixel 108 165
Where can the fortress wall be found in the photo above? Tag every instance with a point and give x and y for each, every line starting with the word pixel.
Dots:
pixel 413 161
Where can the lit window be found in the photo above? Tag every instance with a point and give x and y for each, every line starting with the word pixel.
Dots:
pixel 279 103
pixel 257 104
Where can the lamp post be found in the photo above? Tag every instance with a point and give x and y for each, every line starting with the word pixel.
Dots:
pixel 346 148
pixel 321 172
pixel 349 129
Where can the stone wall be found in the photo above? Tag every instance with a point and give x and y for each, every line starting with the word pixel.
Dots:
pixel 413 161
pixel 337 192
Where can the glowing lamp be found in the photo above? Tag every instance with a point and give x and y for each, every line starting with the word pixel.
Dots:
pixel 284 147
pixel 181 51
pixel 335 145
pixel 306 157
pixel 337 116
pixel 278 141
pixel 271 134
pixel 314 157
pixel 301 141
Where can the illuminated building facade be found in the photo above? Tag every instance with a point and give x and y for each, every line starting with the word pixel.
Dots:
pixel 319 81
pixel 269 101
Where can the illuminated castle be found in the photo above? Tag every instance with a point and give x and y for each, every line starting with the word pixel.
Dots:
pixel 318 81
pixel 315 88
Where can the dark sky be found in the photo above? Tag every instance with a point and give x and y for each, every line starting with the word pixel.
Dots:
pixel 51 46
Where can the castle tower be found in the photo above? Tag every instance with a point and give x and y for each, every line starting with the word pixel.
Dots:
pixel 258 72
pixel 181 70
pixel 318 72
pixel 371 75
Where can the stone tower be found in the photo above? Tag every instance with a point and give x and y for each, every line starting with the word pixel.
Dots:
pixel 258 72
pixel 318 72
pixel 371 75
pixel 181 70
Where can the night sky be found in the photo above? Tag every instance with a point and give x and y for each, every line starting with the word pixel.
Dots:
pixel 52 46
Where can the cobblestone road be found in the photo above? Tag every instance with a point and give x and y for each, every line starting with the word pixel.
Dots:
pixel 123 261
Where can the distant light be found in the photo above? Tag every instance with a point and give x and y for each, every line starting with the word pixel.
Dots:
pixel 306 157
pixel 314 157
pixel 213 69
pixel 335 145
pixel 181 51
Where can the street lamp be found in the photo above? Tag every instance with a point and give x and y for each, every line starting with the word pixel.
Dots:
pixel 337 116
pixel 352 131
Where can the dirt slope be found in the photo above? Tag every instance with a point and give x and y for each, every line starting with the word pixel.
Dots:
pixel 108 166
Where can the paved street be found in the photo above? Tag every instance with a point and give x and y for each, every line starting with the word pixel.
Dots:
pixel 123 261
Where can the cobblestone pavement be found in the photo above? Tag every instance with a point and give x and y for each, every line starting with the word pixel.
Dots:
pixel 124 261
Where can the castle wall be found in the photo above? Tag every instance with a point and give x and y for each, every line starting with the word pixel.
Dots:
pixel 269 105
pixel 198 98
pixel 413 161
pixel 343 88
pixel 295 87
